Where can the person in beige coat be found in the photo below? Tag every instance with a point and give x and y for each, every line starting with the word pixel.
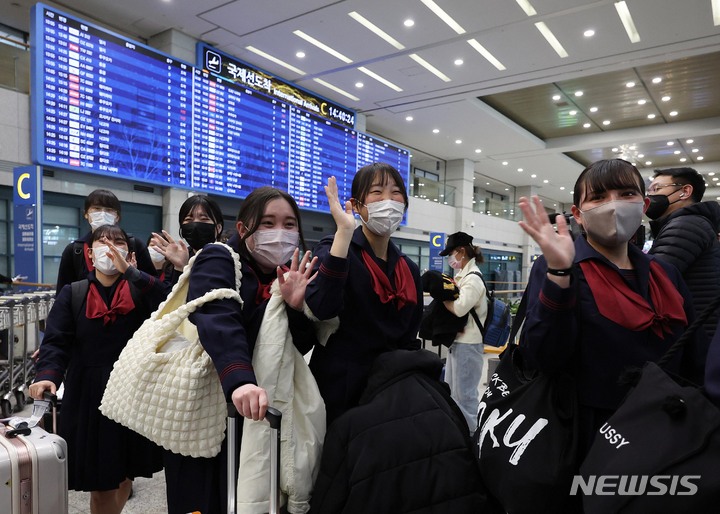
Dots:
pixel 464 366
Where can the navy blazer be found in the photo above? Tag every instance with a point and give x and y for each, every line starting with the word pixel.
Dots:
pixel 564 330
pixel 368 327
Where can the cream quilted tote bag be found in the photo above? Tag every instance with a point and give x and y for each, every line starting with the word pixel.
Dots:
pixel 164 385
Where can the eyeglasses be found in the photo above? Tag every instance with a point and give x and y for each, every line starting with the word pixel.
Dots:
pixel 657 187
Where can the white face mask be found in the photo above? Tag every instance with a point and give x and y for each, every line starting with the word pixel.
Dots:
pixel 384 217
pixel 155 255
pixel 274 247
pixel 100 218
pixel 453 262
pixel 102 262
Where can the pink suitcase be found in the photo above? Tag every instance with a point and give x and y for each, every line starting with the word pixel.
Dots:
pixel 33 472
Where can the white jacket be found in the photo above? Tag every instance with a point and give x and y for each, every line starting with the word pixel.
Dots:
pixel 472 296
pixel 291 388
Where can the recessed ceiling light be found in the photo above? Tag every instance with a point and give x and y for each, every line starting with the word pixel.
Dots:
pixel 478 150
pixel 562 188
pixel 573 113
pixel 487 183
pixel 458 141
pixel 359 84
pixel 657 80
pixel 435 131
pixel 689 141
pixel 409 23
pixel 651 116
pixel 504 163
pixel 642 101
pixel 670 143
pixel 506 189
pixel 459 62
pixel 615 149
pixel 587 125
pixel 673 113
pixel 630 84
pixel 520 170
pixel 579 93
pixel 546 181
pixel 300 55
pixel 641 155
pixel 683 159
pixel 533 176
pixel 408 118
pixel 695 150
pixel 677 152
pixel 699 157
pixel 666 98
pixel 593 109
pixel 589 33
pixel 648 163
pixel 606 122
pixel 556 97
pixel 712 173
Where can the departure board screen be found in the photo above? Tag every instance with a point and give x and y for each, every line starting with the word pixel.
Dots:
pixel 107 105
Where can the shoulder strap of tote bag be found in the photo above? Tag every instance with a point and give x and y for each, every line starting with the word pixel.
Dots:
pixel 178 296
pixel 687 336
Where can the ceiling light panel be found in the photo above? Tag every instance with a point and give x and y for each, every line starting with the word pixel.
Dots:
pixel 375 30
pixel 627 20
pixel 444 16
pixel 432 69
pixel 322 46
pixel 551 39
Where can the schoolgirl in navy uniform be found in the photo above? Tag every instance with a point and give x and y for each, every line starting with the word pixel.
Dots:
pixel 103 456
pixel 626 307
pixel 201 222
pixel 365 280
pixel 268 236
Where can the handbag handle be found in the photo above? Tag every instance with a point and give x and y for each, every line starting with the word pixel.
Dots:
pixel 689 332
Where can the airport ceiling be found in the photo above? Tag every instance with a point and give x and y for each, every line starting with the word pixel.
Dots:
pixel 478 79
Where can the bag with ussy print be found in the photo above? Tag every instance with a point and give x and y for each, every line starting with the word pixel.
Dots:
pixel 660 451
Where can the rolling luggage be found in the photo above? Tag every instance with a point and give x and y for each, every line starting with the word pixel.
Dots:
pixel 274 417
pixel 33 471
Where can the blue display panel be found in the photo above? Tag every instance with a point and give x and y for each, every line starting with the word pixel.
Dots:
pixel 104 104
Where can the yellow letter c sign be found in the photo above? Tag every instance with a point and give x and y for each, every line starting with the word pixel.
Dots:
pixel 22 178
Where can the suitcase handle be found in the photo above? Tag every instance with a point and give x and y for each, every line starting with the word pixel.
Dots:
pixel 274 418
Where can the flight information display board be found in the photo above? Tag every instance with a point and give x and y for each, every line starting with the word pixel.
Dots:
pixel 104 104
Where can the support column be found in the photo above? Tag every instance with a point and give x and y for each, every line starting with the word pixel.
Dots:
pixel 460 174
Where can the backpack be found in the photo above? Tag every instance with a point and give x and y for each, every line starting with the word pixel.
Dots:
pixel 79 293
pixel 496 329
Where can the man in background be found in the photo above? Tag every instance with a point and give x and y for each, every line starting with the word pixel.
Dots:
pixel 685 231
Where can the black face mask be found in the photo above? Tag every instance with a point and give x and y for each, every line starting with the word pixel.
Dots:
pixel 658 205
pixel 198 234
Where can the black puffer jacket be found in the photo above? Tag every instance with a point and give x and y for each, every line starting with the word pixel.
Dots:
pixel 404 449
pixel 688 239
